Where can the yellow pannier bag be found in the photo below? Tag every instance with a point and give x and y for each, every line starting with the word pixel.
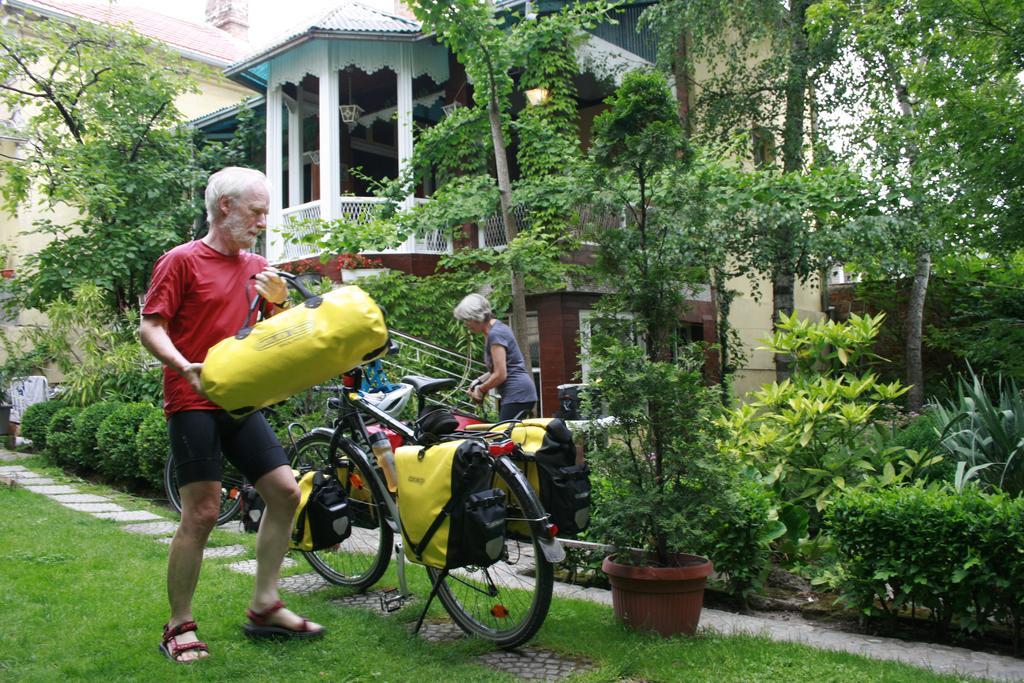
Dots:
pixel 450 514
pixel 290 352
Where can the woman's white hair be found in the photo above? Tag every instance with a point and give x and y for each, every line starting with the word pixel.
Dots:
pixel 230 182
pixel 473 307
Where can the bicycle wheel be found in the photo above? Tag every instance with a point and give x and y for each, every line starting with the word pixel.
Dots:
pixel 508 601
pixel 361 559
pixel 230 490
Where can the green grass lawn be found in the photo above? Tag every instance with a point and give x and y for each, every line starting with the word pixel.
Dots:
pixel 82 600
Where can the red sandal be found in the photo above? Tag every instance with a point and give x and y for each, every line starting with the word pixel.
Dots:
pixel 172 649
pixel 259 628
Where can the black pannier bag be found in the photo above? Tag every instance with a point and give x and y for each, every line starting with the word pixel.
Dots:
pixel 324 516
pixel 550 466
pixel 451 514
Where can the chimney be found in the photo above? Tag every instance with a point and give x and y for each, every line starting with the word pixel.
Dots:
pixel 229 15
pixel 402 10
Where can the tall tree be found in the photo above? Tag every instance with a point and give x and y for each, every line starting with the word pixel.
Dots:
pixel 758 67
pixel 939 125
pixel 102 134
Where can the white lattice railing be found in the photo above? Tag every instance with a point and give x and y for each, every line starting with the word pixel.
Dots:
pixel 590 221
pixel 434 242
pixel 287 250
pixel 492 229
pixel 355 210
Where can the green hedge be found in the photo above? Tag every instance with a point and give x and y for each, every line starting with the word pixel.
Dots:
pixel 35 422
pixel 115 440
pixel 152 444
pixel 958 555
pixel 61 444
pixel 85 425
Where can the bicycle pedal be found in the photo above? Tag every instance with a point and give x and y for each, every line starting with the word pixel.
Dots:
pixel 391 600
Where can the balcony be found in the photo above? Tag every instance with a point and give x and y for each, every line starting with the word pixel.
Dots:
pixel 355 210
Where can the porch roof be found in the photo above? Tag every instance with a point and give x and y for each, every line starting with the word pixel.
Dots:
pixel 349 20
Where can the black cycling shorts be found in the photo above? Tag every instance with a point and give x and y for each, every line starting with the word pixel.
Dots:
pixel 200 437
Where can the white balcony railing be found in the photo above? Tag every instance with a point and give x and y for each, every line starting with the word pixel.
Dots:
pixel 355 210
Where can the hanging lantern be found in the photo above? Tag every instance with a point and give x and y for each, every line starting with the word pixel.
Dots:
pixel 449 109
pixel 350 112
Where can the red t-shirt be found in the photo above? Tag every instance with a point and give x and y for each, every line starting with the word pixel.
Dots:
pixel 204 296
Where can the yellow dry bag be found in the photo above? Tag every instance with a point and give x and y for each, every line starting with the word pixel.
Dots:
pixel 290 352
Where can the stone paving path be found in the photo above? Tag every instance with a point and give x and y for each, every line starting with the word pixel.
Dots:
pixel 531 663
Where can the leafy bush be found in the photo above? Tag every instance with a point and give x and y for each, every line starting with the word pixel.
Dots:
pixel 985 436
pixel 115 440
pixel 152 445
pixel 807 435
pixel 35 422
pixel 956 555
pixel 61 442
pixel 85 425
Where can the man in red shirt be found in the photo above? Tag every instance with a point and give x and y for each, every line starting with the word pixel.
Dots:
pixel 199 294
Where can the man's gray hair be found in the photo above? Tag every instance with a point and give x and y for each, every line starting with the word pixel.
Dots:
pixel 473 307
pixel 230 182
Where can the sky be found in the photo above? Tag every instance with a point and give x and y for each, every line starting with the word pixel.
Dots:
pixel 267 18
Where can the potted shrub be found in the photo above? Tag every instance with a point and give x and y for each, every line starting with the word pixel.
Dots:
pixel 662 491
pixel 659 485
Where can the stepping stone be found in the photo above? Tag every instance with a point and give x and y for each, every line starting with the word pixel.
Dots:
pixel 9 456
pixel 166 540
pixel 249 566
pixel 367 601
pixel 303 583
pixel 34 481
pixel 94 507
pixel 535 664
pixel 234 527
pixel 51 490
pixel 128 516
pixel 224 551
pixel 11 470
pixel 439 632
pixel 152 528
pixel 80 498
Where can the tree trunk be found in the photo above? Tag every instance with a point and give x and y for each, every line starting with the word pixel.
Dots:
pixel 511 230
pixel 783 279
pixel 681 72
pixel 922 266
pixel 914 326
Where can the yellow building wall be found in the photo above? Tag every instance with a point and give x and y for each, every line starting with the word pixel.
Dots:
pixel 752 319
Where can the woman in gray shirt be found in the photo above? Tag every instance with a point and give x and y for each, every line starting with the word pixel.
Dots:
pixel 505 363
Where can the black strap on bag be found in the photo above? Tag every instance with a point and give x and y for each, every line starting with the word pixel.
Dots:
pixel 457 496
pixel 311 301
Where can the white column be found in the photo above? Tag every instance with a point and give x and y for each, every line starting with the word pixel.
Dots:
pixel 330 138
pixel 295 150
pixel 274 172
pixel 404 125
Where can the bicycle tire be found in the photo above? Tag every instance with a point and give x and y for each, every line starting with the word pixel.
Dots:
pixel 523 581
pixel 230 499
pixel 361 559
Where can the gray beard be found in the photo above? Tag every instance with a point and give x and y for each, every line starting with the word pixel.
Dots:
pixel 238 232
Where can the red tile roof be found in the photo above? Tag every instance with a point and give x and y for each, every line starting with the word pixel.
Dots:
pixel 186 36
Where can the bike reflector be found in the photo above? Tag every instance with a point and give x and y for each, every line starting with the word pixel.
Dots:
pixel 503 447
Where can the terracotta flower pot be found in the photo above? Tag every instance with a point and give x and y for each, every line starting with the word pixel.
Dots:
pixel 663 599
